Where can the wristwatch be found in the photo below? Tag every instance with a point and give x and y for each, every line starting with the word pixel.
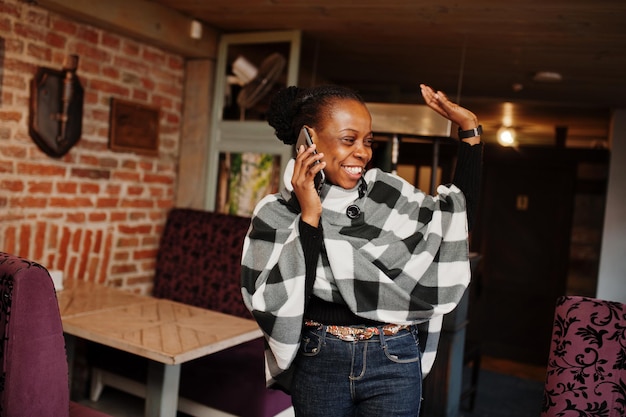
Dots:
pixel 464 134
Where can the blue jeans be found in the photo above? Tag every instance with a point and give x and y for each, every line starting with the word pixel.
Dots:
pixel 378 377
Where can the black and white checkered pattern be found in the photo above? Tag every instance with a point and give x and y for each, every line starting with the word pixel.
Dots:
pixel 403 261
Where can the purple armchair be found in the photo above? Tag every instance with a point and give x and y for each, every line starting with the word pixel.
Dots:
pixel 33 363
pixel 586 374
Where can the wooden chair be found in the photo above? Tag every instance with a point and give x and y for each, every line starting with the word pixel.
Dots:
pixel 33 362
pixel 586 372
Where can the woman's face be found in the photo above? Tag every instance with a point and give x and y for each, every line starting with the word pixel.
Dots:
pixel 345 138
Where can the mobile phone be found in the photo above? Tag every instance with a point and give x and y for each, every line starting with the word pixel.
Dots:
pixel 304 138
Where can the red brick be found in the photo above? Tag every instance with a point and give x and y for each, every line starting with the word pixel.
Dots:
pixel 97 217
pixel 137 203
pixel 145 229
pixel 40 169
pixel 93 174
pixel 76 240
pixel 129 164
pixel 109 162
pixel 110 40
pixel 37 18
pixel 88 160
pixel 92 52
pixel 106 258
pixel 122 256
pixel 123 268
pixel 12 185
pixel 70 202
pixel 5 25
pixel 98 242
pixel 9 9
pixel 113 189
pixel 111 72
pixel 28 202
pixel 10 116
pixel 145 254
pixel 130 48
pixel 39 52
pixel 62 248
pixel 160 179
pixel 140 95
pixel 76 217
pixel 63 26
pixel 107 202
pixel 92 268
pixel 39 187
pixel 135 190
pixel 17 81
pixel 25 236
pixel 129 242
pixel 109 88
pixel 87 34
pixel 176 63
pixel 89 66
pixel 40 238
pixel 89 188
pixel 55 40
pixel 10 240
pixel 28 31
pixel 67 187
pixel 126 176
pixel 119 216
pixel 130 64
pixel 135 216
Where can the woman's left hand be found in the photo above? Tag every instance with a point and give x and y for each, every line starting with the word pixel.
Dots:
pixel 438 101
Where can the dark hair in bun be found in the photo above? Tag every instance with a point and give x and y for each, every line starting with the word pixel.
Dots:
pixel 293 107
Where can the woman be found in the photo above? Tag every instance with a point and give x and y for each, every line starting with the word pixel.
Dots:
pixel 350 285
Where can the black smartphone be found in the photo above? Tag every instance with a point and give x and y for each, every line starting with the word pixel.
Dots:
pixel 305 139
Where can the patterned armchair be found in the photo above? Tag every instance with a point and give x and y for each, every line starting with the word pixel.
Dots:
pixel 33 362
pixel 586 374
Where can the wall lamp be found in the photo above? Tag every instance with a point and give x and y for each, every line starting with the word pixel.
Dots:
pixel 506 136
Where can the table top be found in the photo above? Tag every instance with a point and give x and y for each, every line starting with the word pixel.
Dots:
pixel 163 330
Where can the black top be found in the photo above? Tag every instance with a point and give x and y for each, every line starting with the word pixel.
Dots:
pixel 467 177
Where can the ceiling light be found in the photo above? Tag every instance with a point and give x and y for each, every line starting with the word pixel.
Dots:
pixel 506 136
pixel 547 77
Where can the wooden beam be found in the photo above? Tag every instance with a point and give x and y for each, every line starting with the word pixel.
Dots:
pixel 150 22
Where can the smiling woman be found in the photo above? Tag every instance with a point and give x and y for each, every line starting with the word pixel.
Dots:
pixel 356 262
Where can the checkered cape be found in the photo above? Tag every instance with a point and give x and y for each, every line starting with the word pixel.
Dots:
pixel 404 261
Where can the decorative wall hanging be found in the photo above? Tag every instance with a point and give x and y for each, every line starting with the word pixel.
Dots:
pixel 134 127
pixel 56 108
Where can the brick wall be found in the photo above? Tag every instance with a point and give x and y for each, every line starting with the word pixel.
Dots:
pixel 94 213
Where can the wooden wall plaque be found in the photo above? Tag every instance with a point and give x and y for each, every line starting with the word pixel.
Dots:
pixel 134 127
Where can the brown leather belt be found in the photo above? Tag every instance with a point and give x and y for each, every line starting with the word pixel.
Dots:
pixel 351 334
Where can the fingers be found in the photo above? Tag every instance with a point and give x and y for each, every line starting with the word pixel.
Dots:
pixel 306 167
pixel 439 102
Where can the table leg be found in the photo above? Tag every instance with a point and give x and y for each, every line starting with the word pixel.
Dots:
pixel 162 390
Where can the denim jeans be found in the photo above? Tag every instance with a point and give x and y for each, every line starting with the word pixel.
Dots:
pixel 379 377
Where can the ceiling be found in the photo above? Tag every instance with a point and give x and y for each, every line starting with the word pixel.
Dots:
pixel 482 53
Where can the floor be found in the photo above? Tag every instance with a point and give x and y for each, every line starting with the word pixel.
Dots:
pixel 505 389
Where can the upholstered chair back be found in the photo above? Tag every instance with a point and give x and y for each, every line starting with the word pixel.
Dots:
pixel 586 373
pixel 34 377
pixel 199 260
pixel 33 361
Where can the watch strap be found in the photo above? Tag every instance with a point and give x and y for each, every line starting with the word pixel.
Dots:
pixel 464 134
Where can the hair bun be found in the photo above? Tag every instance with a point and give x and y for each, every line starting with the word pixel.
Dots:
pixel 282 109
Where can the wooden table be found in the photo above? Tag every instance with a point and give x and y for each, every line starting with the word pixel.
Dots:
pixel 167 332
